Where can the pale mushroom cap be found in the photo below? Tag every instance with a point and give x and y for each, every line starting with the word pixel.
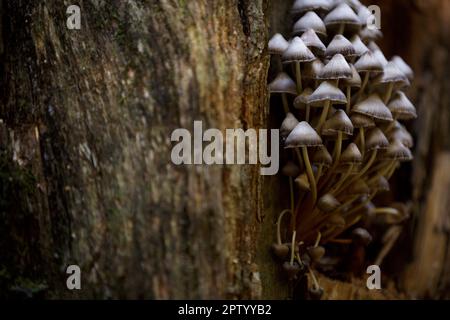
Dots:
pixel 351 155
pixel 297 52
pixel 301 6
pixel 338 122
pixel 397 151
pixel 403 66
pixel 288 124
pixel 391 73
pixel 342 14
pixel 328 203
pixel 313 69
pixel 373 107
pixel 361 121
pixel 313 42
pixel 380 56
pixel 303 135
pixel 303 182
pixel 368 63
pixel 364 14
pixel 341 45
pixel 310 21
pixel 336 68
pixel 302 100
pixel 278 44
pixel 402 135
pixel 326 91
pixel 376 140
pixel 283 84
pixel 401 107
pixel 367 34
pixel 358 45
pixel 322 156
pixel 355 80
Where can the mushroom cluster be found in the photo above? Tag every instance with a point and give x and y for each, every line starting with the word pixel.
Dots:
pixel 343 101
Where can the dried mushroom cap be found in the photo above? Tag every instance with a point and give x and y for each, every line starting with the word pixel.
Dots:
pixel 368 63
pixel 312 70
pixel 355 80
pixel 313 42
pixel 326 91
pixel 302 100
pixel 401 107
pixel 376 140
pixel 397 151
pixel 341 45
pixel 371 34
pixel 290 169
pixel 283 84
pixel 303 182
pixel 342 14
pixel 373 107
pixel 403 66
pixel 278 44
pixel 310 21
pixel 391 73
pixel 303 135
pixel 359 187
pixel 288 124
pixel 361 121
pixel 336 68
pixel 338 122
pixel 328 203
pixel 351 155
pixel 402 135
pixel 358 45
pixel 322 156
pixel 297 52
pixel 301 6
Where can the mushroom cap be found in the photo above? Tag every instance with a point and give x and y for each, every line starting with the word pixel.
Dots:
pixel 336 220
pixel 403 66
pixel 401 107
pixel 355 80
pixel 328 203
pixel 373 107
pixel 290 169
pixel 313 42
pixel 302 100
pixel 303 182
pixel 368 63
pixel 351 155
pixel 391 73
pixel 363 14
pixel 310 21
pixel 361 121
pixel 338 122
pixel 336 68
pixel 358 45
pixel 401 134
pixel 313 69
pixel 397 151
pixel 341 45
pixel 297 52
pixel 283 84
pixel 278 44
pixel 322 156
pixel 371 34
pixel 326 91
pixel 382 184
pixel 301 6
pixel 380 56
pixel 359 187
pixel 288 124
pixel 303 135
pixel 342 14
pixel 376 140
pixel 362 236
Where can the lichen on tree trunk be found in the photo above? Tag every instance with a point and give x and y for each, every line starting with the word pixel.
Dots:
pixel 88 115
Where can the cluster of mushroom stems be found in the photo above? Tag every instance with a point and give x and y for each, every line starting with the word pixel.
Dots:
pixel 342 101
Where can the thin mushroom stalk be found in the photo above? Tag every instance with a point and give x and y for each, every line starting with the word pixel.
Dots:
pixel 310 174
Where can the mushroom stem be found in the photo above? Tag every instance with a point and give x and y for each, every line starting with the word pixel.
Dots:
pixel 298 75
pixel 341 28
pixel 293 247
pixel 308 111
pixel 310 174
pixel 382 172
pixel 323 116
pixel 363 141
pixel 391 211
pixel 335 189
pixel 336 156
pixel 314 279
pixel 388 94
pixel 363 85
pixel 279 223
pixel 363 170
pixel 291 192
pixel 391 171
pixel 319 172
pixel 349 97
pixel 285 103
pixel 319 236
pixel 341 241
